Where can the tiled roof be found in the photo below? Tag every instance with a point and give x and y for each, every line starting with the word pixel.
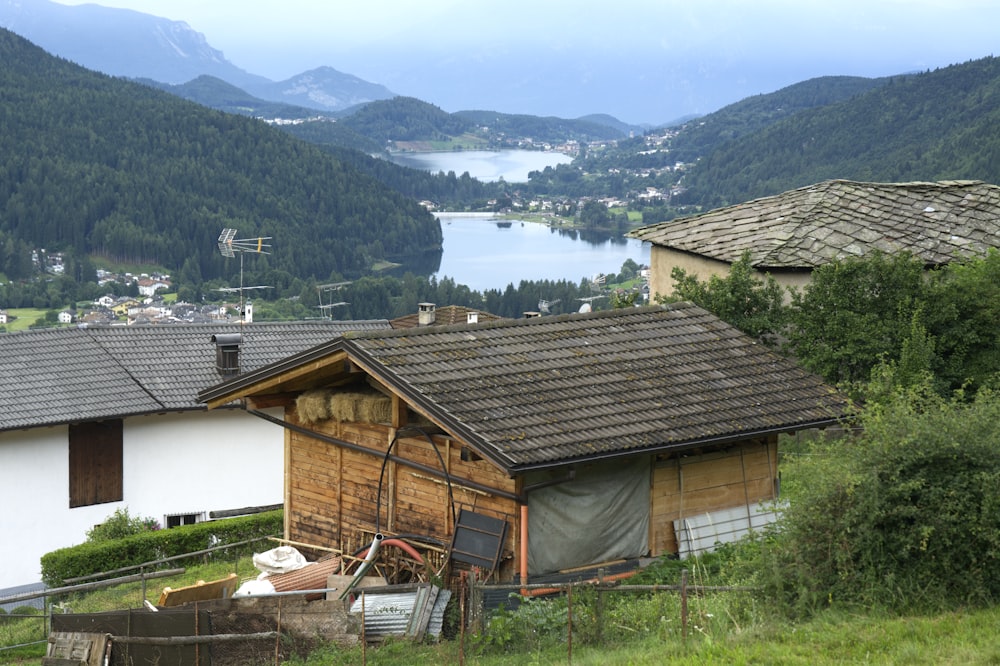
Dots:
pixel 444 316
pixel 811 226
pixel 77 374
pixel 545 391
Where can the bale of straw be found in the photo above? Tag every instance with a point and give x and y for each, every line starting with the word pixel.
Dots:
pixel 375 408
pixel 313 406
pixel 343 406
pixel 365 407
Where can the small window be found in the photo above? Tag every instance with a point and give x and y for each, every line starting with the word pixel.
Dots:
pixel 95 463
pixel 178 519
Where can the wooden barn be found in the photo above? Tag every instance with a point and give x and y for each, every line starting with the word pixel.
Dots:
pixel 535 446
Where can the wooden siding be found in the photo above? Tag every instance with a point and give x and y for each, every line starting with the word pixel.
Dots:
pixel 694 484
pixel 331 490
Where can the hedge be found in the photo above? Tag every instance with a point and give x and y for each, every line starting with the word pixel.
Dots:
pixel 92 558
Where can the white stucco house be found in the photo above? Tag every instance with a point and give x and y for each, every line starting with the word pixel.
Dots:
pixel 97 419
pixel 791 234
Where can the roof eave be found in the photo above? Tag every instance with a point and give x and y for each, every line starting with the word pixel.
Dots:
pixel 666 447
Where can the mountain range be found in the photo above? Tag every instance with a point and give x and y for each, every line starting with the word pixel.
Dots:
pixel 134 45
pixel 102 167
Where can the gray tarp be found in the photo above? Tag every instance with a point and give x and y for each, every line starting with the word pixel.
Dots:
pixel 601 515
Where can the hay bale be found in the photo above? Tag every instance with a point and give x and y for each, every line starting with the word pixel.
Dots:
pixel 375 408
pixel 343 406
pixel 313 406
pixel 364 406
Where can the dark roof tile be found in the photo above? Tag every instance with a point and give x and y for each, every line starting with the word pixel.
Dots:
pixel 534 392
pixel 937 222
pixel 78 374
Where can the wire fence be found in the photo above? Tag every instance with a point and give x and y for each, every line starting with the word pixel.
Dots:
pixel 481 618
pixel 28 620
pixel 529 618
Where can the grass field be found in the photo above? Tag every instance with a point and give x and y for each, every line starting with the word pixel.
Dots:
pixel 25 317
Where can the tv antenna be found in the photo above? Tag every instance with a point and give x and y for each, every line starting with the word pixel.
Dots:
pixel 587 300
pixel 545 306
pixel 327 308
pixel 230 246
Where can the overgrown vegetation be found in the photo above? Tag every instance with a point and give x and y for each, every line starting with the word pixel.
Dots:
pixel 880 315
pixel 904 516
pixel 119 525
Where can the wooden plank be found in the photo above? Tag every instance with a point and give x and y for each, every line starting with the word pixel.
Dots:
pixel 222 588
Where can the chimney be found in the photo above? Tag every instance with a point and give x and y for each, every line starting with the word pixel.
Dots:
pixel 472 317
pixel 532 315
pixel 227 353
pixel 426 315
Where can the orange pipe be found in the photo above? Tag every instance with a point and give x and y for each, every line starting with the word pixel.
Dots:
pixel 524 547
pixel 555 590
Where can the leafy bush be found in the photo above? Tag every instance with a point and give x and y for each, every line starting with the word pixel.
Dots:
pixel 905 517
pixel 148 546
pixel 120 525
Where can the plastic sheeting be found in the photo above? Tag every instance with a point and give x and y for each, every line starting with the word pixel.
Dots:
pixel 279 560
pixel 702 533
pixel 601 515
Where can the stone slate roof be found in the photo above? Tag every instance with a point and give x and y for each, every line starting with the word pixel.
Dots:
pixel 836 219
pixel 444 316
pixel 71 375
pixel 547 391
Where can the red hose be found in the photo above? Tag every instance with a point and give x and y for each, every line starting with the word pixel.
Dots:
pixel 398 543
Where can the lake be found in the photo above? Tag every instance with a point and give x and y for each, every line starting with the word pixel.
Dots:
pixel 484 253
pixel 485 165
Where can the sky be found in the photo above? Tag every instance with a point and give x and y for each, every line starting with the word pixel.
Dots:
pixel 642 61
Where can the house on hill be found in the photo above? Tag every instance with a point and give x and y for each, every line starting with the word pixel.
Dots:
pixel 97 419
pixel 545 444
pixel 790 234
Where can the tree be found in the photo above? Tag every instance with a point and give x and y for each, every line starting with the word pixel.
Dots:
pixel 753 305
pixel 856 313
pixel 963 316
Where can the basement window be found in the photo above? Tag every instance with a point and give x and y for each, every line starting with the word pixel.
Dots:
pixel 178 519
pixel 95 463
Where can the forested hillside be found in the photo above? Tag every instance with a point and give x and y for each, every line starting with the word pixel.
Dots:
pixel 937 125
pixel 405 119
pixel 547 129
pixel 753 114
pixel 92 165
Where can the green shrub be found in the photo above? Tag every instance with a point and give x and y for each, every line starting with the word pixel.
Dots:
pixel 120 525
pixel 26 610
pixel 98 556
pixel 906 517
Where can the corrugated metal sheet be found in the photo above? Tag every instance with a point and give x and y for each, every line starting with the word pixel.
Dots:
pixel 392 614
pixel 700 534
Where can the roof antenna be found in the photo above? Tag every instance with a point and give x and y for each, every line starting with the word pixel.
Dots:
pixel 229 245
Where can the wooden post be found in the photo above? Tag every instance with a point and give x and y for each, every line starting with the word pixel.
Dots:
pixel 600 606
pixel 684 603
pixel 277 639
pixel 569 624
pixel 461 618
pixel 364 641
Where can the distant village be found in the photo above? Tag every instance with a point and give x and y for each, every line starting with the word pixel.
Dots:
pixel 148 307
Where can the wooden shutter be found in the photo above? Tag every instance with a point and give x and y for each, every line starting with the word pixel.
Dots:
pixel 95 463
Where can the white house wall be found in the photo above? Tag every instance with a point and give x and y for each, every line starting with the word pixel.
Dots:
pixel 191 462
pixel 197 462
